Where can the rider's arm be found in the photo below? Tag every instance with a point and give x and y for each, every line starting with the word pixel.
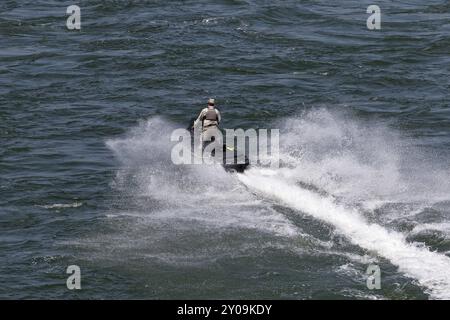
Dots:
pixel 200 117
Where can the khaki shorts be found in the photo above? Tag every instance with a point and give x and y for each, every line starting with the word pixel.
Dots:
pixel 209 134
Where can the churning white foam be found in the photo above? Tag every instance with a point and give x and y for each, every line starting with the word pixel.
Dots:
pixel 178 194
pixel 362 161
pixel 336 167
pixel 432 270
pixel 443 227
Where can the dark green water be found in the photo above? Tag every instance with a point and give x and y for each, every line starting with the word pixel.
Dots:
pixel 85 171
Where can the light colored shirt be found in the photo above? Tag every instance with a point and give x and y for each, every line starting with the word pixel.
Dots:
pixel 207 123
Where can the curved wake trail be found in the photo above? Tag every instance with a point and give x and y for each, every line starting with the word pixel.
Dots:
pixel 430 269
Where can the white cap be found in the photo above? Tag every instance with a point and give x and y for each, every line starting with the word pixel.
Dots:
pixel 211 101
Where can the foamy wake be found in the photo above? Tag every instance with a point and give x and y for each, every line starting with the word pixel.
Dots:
pixel 352 166
pixel 430 269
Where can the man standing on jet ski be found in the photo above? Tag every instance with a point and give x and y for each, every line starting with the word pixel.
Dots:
pixel 210 119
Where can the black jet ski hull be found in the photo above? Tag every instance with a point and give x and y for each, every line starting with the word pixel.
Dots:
pixel 235 166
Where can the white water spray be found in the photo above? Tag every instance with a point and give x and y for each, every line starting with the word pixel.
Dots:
pixel 351 164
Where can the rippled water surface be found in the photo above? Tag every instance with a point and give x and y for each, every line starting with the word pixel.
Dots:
pixel 85 171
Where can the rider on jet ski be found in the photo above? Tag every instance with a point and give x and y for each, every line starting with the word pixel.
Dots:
pixel 210 118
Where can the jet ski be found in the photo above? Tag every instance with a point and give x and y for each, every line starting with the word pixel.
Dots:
pixel 235 165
